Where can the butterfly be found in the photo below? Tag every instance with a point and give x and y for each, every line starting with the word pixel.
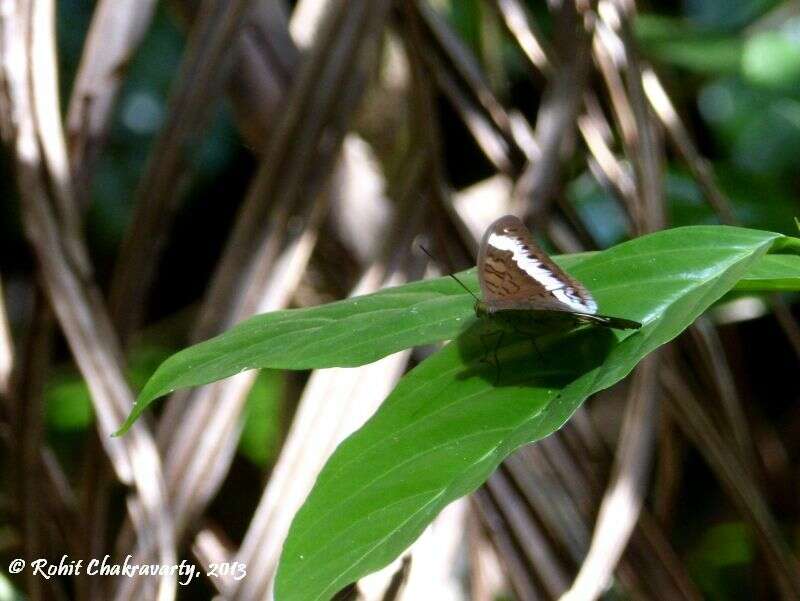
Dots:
pixel 516 276
pixel 526 292
pixel 521 286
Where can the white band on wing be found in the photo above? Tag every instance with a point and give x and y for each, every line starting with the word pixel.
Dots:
pixel 561 290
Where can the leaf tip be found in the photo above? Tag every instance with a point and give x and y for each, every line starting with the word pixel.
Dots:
pixel 139 405
pixel 123 429
pixel 129 421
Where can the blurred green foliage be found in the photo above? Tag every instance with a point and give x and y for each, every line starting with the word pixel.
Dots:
pixel 674 41
pixel 719 560
pixel 261 432
pixel 68 406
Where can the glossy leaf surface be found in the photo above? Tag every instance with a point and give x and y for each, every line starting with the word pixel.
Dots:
pixel 363 329
pixel 450 422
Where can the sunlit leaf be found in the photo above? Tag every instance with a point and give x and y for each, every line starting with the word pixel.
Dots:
pixel 450 422
pixel 363 329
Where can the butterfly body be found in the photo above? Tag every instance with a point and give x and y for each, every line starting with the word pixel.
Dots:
pixel 517 278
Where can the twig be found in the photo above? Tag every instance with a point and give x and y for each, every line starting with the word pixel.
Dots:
pixel 295 167
pixel 530 40
pixel 202 74
pixel 458 75
pixel 516 570
pixel 615 51
pixel 265 67
pixel 708 343
pixel 350 397
pixel 487 581
pixel 698 165
pixel 358 392
pixel 555 120
pixel 30 437
pixel 116 30
pixel 533 543
pixel 592 124
pixel 623 499
pixel 62 260
pixel 313 105
pixel 6 348
pixel 699 427
pixel 702 172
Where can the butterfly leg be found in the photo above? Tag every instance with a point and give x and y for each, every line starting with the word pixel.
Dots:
pixel 493 352
pixel 531 334
pixel 537 349
pixel 496 360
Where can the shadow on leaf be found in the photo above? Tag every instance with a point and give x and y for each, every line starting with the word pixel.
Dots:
pixel 522 348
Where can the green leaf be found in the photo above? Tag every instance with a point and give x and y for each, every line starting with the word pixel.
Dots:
pixel 360 330
pixel 776 273
pixel 719 561
pixel 448 423
pixel 674 42
pixel 68 406
pixel 772 59
pixel 261 432
pixel 347 333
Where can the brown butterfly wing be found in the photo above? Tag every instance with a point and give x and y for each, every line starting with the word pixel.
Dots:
pixel 515 273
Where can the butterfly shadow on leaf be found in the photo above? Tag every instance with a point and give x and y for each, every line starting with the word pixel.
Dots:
pixel 525 350
pixel 537 324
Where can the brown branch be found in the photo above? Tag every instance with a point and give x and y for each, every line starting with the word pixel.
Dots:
pixel 623 499
pixel 44 495
pixel 6 348
pixel 724 461
pixel 519 575
pixel 699 166
pixel 29 437
pixel 703 173
pixel 301 151
pixel 592 124
pixel 203 72
pixel 117 28
pixel 521 27
pixel 293 179
pixel 460 78
pixel 555 121
pixel 533 544
pixel 615 52
pixel 712 354
pixel 62 260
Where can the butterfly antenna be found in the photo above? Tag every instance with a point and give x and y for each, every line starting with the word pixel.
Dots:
pixel 460 283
